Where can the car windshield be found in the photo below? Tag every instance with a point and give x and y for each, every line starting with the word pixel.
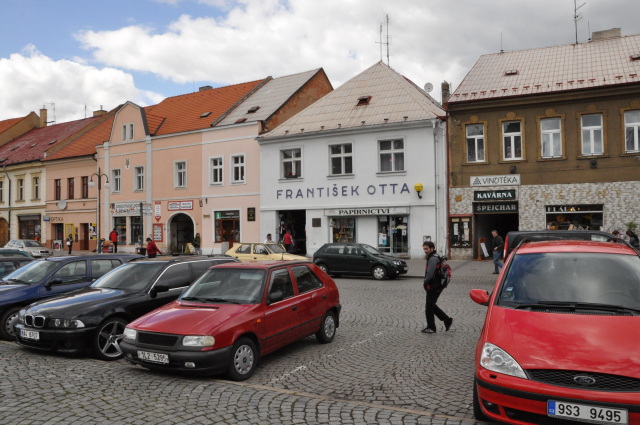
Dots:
pixel 32 244
pixel 572 278
pixel 130 277
pixel 275 248
pixel 370 249
pixel 31 273
pixel 220 285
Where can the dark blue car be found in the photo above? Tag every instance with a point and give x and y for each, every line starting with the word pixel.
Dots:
pixel 46 278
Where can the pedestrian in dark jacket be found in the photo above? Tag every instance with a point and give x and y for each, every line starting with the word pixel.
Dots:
pixel 633 239
pixel 70 242
pixel 498 246
pixel 434 288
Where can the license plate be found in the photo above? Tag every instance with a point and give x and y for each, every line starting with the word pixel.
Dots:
pixel 30 334
pixel 586 413
pixel 153 357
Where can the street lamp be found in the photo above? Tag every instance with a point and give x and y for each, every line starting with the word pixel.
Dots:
pixel 99 175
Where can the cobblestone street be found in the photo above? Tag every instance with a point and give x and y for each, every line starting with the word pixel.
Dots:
pixel 379 369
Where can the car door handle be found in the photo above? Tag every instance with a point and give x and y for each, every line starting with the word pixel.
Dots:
pixel 294 308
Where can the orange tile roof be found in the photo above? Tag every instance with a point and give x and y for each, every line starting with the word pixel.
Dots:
pixel 7 124
pixel 184 112
pixel 86 143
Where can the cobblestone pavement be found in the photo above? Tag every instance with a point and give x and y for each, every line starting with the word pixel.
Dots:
pixel 380 369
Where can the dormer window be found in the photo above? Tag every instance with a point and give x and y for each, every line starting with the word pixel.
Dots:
pixel 511 72
pixel 253 109
pixel 363 100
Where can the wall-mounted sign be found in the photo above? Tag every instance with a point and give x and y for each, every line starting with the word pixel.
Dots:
pixel 580 208
pixel 502 207
pixel 179 205
pixel 494 195
pixel 157 232
pixel 222 215
pixel 129 208
pixel 504 180
pixel 365 211
pixel 157 210
pixel 251 214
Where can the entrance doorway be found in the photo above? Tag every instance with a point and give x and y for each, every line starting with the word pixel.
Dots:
pixel 393 234
pixel 295 221
pixel 180 233
pixel 4 232
pixel 485 223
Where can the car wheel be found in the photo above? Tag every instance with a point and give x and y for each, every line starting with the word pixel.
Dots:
pixel 327 329
pixel 323 267
pixel 8 319
pixel 477 410
pixel 379 272
pixel 244 360
pixel 107 339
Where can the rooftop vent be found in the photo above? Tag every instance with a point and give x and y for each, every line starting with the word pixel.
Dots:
pixel 206 114
pixel 53 141
pixel 203 88
pixel 363 100
pixel 239 120
pixel 511 72
pixel 253 109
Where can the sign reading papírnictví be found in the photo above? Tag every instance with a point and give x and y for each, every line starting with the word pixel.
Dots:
pixel 502 207
pixel 494 195
pixel 504 180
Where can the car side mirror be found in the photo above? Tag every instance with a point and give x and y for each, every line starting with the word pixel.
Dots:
pixel 52 282
pixel 480 296
pixel 276 296
pixel 157 289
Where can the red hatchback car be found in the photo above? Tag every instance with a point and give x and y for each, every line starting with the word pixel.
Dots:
pixel 560 338
pixel 234 314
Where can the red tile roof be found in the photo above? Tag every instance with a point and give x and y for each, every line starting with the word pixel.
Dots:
pixel 86 143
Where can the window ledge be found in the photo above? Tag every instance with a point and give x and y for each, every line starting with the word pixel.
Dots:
pixel 295 179
pixel 341 176
pixel 391 173
pixel 587 157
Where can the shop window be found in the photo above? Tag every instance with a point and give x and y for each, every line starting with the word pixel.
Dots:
pixel 460 232
pixel 475 143
pixel 551 135
pixel 592 140
pixel 393 234
pixel 512 140
pixel 136 230
pixel 120 224
pixel 575 217
pixel 343 229
pixel 632 131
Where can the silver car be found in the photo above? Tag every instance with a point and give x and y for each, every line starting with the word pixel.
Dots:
pixel 35 248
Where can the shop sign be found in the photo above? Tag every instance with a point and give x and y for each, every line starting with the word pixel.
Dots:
pixel 223 215
pixel 573 208
pixel 157 232
pixel 336 191
pixel 179 205
pixel 56 219
pixel 45 218
pixel 494 195
pixel 251 214
pixel 129 208
pixel 502 207
pixel 158 210
pixel 365 211
pixel 503 180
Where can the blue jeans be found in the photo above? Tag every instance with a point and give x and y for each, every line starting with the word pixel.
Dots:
pixel 496 261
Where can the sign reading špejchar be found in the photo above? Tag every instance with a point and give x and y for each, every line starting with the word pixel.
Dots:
pixel 502 207
pixel 494 195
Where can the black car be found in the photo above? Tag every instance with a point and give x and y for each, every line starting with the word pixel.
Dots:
pixel 358 259
pixel 50 277
pixel 94 318
pixel 11 264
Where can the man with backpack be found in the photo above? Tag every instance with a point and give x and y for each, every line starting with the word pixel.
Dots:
pixel 433 284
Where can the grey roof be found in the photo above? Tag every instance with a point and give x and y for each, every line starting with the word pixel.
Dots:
pixel 269 98
pixel 394 99
pixel 597 63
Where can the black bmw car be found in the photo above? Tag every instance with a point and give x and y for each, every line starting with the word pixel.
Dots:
pixel 358 259
pixel 94 318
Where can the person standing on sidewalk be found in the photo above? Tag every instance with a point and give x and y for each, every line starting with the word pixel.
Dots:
pixel 434 288
pixel 498 246
pixel 70 242
pixel 113 237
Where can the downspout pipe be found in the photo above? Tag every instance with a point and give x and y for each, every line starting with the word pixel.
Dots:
pixel 435 123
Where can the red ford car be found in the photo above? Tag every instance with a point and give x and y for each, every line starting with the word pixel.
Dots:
pixel 234 314
pixel 560 341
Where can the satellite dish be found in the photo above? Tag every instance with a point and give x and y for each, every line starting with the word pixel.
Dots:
pixel 428 87
pixel 62 204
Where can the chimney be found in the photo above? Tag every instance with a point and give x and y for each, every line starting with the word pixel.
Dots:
pixel 446 92
pixel 203 88
pixel 99 113
pixel 610 33
pixel 43 117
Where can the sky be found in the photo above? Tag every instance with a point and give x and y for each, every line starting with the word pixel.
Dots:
pixel 77 56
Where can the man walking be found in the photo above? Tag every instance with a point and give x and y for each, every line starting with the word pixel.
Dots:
pixel 498 246
pixel 113 237
pixel 434 288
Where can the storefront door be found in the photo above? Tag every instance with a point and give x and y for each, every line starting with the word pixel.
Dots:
pixel 393 234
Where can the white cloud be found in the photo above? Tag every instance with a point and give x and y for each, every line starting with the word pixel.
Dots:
pixel 30 80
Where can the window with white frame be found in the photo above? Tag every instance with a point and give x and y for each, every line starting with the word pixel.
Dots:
pixel 116 180
pixel 391 155
pixel 592 142
pixel 127 132
pixel 632 131
pixel 180 177
pixel 20 186
pixel 291 163
pixel 138 178
pixel 217 170
pixel 237 169
pixel 551 137
pixel 35 187
pixel 475 143
pixel 512 140
pixel 341 158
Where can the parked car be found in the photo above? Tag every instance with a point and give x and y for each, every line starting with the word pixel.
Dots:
pixel 258 251
pixel 11 252
pixel 233 315
pixel 49 277
pixel 11 264
pixel 514 237
pixel 358 259
pixel 560 338
pixel 35 248
pixel 94 318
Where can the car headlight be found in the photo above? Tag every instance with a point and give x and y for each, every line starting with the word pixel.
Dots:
pixel 198 341
pixel 21 315
pixel 397 263
pixel 496 359
pixel 130 334
pixel 67 323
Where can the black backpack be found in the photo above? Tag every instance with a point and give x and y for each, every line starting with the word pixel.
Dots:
pixel 443 272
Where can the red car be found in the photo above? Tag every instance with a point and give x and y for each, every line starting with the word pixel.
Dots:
pixel 560 338
pixel 234 314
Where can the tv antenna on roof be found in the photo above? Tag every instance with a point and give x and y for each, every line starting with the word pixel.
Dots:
pixel 576 16
pixel 385 42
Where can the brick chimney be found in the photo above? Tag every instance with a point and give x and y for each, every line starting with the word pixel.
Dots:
pixel 43 117
pixel 610 33
pixel 446 92
pixel 99 113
